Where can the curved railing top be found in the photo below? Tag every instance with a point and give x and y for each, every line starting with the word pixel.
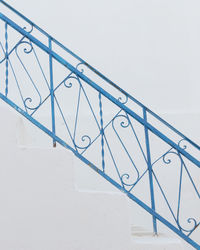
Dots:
pixel 60 52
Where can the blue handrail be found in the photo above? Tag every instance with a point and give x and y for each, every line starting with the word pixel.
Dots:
pixel 122 119
pixel 100 74
pixel 99 89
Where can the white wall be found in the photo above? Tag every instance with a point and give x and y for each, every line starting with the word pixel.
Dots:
pixel 40 207
pixel 150 48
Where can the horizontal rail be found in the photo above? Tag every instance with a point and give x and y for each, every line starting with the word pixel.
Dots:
pixel 100 74
pixel 99 89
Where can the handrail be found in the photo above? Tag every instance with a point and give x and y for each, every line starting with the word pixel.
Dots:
pixel 107 134
pixel 99 89
pixel 101 75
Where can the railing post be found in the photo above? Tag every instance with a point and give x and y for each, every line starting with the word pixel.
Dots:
pixel 101 131
pixel 150 171
pixel 6 55
pixel 52 91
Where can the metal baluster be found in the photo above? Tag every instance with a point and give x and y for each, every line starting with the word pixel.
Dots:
pixel 150 171
pixel 52 91
pixel 102 132
pixel 6 55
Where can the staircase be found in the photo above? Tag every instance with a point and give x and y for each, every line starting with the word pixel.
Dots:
pixel 104 126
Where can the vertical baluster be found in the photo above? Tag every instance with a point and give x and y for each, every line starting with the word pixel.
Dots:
pixel 102 132
pixel 6 55
pixel 52 92
pixel 150 170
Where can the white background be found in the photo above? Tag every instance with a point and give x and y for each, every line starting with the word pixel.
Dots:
pixel 149 48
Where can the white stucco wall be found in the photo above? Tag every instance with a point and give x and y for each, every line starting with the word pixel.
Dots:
pixel 40 207
pixel 150 48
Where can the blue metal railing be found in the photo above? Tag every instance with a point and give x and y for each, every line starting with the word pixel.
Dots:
pixel 129 128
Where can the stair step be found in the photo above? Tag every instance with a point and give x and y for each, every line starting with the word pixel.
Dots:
pixel 143 239
pixel 159 242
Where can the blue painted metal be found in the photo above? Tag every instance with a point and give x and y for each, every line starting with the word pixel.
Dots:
pixel 150 171
pixel 102 132
pixel 52 91
pixel 99 89
pixel 6 56
pixel 110 132
pixel 33 25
